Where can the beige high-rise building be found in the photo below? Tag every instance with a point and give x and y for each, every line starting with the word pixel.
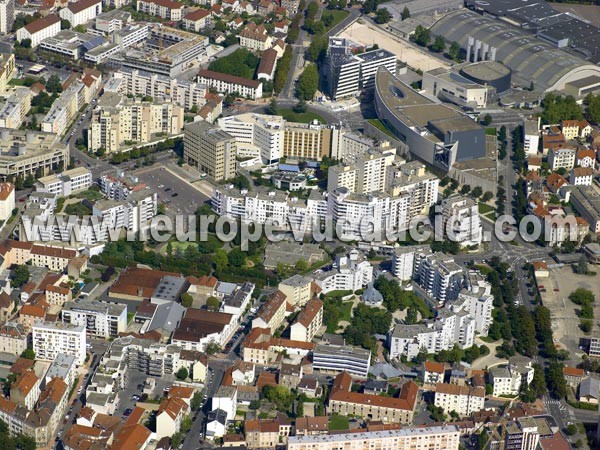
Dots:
pixel 118 121
pixel 210 150
pixel 309 141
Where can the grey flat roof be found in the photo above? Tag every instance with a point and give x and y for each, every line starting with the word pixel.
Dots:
pixel 486 70
pixel 530 58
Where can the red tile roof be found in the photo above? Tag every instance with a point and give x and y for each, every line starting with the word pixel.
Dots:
pixel 212 75
pixel 40 24
pixel 79 6
pixel 199 14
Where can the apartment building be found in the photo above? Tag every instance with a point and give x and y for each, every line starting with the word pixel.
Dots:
pixel 14 111
pixel 403 261
pixel 594 350
pixel 433 373
pixel 581 176
pixel 267 433
pixel 366 175
pixel 310 141
pixel 81 12
pixel 349 272
pixel 413 179
pixel 8 69
pixel 50 339
pixel 373 407
pixel 25 391
pixel 570 129
pixel 261 348
pixel 111 21
pixel 330 358
pixel 170 415
pixel 349 73
pixel 7 15
pixel 464 400
pixel 531 136
pixel 13 338
pixel 272 312
pixel 255 37
pixel 65 183
pixel 460 221
pixel 445 437
pixel 438 275
pixel 64 110
pixel 40 29
pixel 522 434
pixel 198 328
pixel 210 150
pixel 197 20
pixel 297 289
pixel 308 322
pixel 507 380
pixel 105 320
pixel 119 121
pixel 230 84
pixel 562 158
pixel 167 9
pixel 7 200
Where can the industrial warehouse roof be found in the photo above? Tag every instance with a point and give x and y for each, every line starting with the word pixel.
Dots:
pixel 529 58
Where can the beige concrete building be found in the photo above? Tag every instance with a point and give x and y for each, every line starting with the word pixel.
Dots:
pixel 445 437
pixel 465 400
pixel 297 289
pixel 267 433
pixel 308 141
pixel 272 313
pixel 308 322
pixel 119 121
pixel 167 9
pixel 15 109
pixel 13 338
pixel 210 150
pixel 7 70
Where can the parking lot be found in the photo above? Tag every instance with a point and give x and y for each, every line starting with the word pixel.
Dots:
pixel 135 382
pixel 179 196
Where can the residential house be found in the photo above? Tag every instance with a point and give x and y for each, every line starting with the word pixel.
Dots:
pixel 255 37
pixel 171 412
pixel 308 322
pixel 573 375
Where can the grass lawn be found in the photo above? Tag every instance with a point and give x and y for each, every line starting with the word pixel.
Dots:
pixel 130 317
pixel 17 82
pixel 177 245
pixel 305 117
pixel 487 339
pixel 490 131
pixel 381 126
pixel 338 16
pixel 90 194
pixel 485 209
pixel 78 209
pixel 345 315
pixel 338 422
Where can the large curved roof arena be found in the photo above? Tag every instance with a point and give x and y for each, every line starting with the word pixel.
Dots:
pixel 528 57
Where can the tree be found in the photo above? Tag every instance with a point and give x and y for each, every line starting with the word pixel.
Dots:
pixel 405 13
pixel 317 49
pixel 412 315
pixel 186 300
pixel 556 380
pixel 477 191
pixel 421 36
pixel 300 107
pixel 25 43
pixel 20 276
pixel 439 44
pixel 65 24
pixel 465 189
pixel 220 260
pixel 28 354
pixel 592 108
pixel 182 374
pixel 272 108
pixel 308 83
pixel 212 348
pixel 281 396
pixel 581 296
pixel 196 401
pixel 571 429
pixel 482 439
pixel 213 304
pixel 487 119
pixel 80 28
pixel 186 424
pixel 236 257
pixel 301 265
pixel 176 439
pixel 487 196
pixel 454 51
pixel 382 16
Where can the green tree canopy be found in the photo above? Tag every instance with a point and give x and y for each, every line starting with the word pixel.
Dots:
pixel 308 83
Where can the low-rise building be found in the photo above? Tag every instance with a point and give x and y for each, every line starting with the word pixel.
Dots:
pixel 65 183
pixel 331 358
pixel 297 289
pixel 14 111
pixel 167 9
pixel 81 12
pixel 589 391
pixel 100 319
pixel 39 29
pixel 464 400
pixel 562 157
pixel 433 373
pixel 13 338
pixel 197 20
pixel 272 312
pixel 377 408
pixel 267 433
pixel 230 84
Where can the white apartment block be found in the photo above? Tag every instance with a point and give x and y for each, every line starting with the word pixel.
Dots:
pixel 167 9
pixel 581 176
pixel 460 221
pixel 445 437
pixel 65 183
pixel 366 175
pixel 230 84
pixel 308 322
pixel 81 12
pixel 40 29
pixel 351 146
pixel 531 136
pixel 15 109
pixel 438 275
pixel 465 400
pixel 53 338
pixel 349 273
pixel 403 261
pixel 413 179
pixel 64 110
pixel 507 380
pixel 7 15
pixel 256 131
pixel 105 320
pixel 7 200
pixel 118 120
pixel 562 157
pixel 183 93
